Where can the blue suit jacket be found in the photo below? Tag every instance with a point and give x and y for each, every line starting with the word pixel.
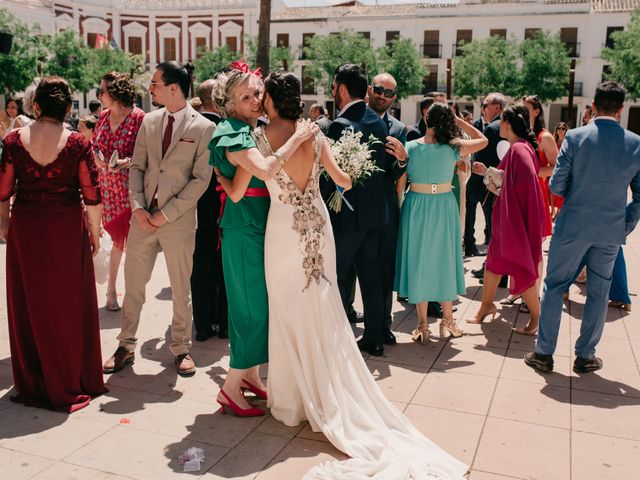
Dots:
pixel 596 165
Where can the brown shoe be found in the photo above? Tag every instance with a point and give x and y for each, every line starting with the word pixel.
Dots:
pixel 184 365
pixel 120 359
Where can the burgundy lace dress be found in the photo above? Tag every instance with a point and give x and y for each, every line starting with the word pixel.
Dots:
pixel 54 328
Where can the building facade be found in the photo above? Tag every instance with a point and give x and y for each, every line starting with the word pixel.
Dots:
pixel 162 30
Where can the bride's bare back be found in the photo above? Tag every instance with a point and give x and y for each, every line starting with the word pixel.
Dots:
pixel 300 166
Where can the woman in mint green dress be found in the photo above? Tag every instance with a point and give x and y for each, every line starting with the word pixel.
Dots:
pixel 429 258
pixel 245 207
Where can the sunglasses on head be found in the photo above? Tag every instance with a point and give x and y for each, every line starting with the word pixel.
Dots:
pixel 380 90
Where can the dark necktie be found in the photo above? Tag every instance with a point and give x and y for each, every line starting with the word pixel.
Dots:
pixel 168 133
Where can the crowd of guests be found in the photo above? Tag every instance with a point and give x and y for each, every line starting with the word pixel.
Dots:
pixel 147 180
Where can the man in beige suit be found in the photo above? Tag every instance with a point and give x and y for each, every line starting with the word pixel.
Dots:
pixel 169 172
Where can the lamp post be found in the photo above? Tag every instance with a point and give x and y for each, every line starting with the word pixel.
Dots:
pixel 448 78
pixel 572 81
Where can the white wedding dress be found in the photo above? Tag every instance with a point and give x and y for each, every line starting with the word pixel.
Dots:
pixel 316 371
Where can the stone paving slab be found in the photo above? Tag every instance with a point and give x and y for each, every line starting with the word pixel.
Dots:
pixel 472 395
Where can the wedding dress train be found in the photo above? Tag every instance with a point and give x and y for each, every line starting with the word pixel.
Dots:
pixel 316 371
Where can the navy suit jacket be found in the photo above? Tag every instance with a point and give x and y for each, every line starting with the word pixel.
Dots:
pixel 595 168
pixel 476 190
pixel 368 199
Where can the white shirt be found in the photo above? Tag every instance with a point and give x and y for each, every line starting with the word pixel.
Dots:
pixel 348 105
pixel 178 118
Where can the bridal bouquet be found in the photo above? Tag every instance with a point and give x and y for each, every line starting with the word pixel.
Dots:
pixel 354 158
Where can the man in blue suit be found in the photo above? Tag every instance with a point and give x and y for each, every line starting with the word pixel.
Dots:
pixel 357 233
pixel 596 166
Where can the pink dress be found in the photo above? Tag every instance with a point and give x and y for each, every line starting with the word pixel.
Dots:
pixel 518 220
pixel 116 207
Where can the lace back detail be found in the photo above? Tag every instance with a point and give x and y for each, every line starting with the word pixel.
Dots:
pixel 308 221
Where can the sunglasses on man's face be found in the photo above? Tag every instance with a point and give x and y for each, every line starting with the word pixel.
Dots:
pixel 380 90
pixel 485 105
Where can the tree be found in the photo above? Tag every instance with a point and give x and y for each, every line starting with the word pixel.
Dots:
pixel 280 58
pixel 30 46
pixel 105 60
pixel 71 60
pixel 402 61
pixel 625 57
pixel 487 65
pixel 545 67
pixel 264 24
pixel 328 52
pixel 210 61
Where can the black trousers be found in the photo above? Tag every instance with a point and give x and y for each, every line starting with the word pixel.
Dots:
pixel 208 294
pixel 361 250
pixel 470 220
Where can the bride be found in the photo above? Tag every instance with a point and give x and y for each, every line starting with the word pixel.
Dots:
pixel 316 371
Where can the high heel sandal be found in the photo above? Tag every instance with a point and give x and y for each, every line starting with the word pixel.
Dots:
pixel 450 325
pixel 421 334
pixel 237 411
pixel 480 318
pixel 510 300
pixel 258 392
pixel 112 302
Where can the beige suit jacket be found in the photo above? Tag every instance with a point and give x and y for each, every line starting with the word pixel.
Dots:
pixel 182 176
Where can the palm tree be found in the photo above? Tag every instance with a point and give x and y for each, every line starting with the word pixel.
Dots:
pixel 264 24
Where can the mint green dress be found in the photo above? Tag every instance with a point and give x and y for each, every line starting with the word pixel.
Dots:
pixel 242 230
pixel 429 259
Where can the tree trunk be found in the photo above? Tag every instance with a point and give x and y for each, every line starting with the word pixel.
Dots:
pixel 264 24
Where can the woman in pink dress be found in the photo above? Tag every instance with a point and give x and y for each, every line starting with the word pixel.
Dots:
pixel 518 219
pixel 51 297
pixel 116 131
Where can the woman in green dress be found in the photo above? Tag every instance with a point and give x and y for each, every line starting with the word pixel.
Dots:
pixel 429 258
pixel 245 206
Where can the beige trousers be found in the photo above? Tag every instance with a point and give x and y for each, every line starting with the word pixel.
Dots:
pixel 177 241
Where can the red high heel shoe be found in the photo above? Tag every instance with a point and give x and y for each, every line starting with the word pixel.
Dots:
pixel 237 411
pixel 255 390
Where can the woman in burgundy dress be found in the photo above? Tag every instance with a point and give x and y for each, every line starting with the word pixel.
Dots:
pixel 116 131
pixel 51 297
pixel 518 219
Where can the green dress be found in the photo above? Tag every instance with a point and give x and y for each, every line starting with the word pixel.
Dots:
pixel 429 256
pixel 242 230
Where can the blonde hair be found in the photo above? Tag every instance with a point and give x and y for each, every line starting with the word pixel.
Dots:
pixel 223 87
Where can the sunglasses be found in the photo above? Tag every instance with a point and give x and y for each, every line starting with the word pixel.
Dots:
pixel 561 128
pixel 380 90
pixel 485 105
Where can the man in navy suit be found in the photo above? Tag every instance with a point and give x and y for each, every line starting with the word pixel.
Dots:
pixel 595 168
pixel 357 233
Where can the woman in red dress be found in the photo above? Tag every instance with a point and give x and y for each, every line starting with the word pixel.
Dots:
pixel 116 131
pixel 518 219
pixel 51 297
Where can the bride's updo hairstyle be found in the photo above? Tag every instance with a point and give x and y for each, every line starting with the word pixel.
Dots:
pixel 224 85
pixel 284 90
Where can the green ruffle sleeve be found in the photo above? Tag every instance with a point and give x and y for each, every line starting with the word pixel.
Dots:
pixel 230 134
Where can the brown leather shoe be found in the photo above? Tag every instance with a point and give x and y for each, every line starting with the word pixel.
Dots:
pixel 184 365
pixel 120 359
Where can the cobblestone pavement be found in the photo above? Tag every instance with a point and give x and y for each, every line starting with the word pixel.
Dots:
pixel 473 395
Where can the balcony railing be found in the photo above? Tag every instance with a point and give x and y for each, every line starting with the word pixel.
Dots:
pixel 432 50
pixel 573 49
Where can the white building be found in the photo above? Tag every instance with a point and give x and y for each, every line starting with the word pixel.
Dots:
pixel 173 30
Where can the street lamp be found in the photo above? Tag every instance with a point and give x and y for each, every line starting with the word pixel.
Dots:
pixel 572 82
pixel 6 41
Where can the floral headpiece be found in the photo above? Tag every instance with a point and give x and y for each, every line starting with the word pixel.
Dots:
pixel 244 68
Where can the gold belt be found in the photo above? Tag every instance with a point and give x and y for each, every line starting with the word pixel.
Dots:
pixel 430 187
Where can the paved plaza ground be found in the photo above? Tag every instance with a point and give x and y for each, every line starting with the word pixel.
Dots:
pixel 473 395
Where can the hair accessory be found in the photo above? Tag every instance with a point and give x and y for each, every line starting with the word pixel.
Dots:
pixel 244 68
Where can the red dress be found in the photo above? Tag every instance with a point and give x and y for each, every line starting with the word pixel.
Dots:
pixel 54 329
pixel 544 187
pixel 517 220
pixel 114 185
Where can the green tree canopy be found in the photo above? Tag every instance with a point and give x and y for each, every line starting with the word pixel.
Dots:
pixel 30 47
pixel 71 60
pixel 625 57
pixel 279 57
pixel 545 67
pixel 328 52
pixel 210 61
pixel 487 65
pixel 105 60
pixel 402 61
